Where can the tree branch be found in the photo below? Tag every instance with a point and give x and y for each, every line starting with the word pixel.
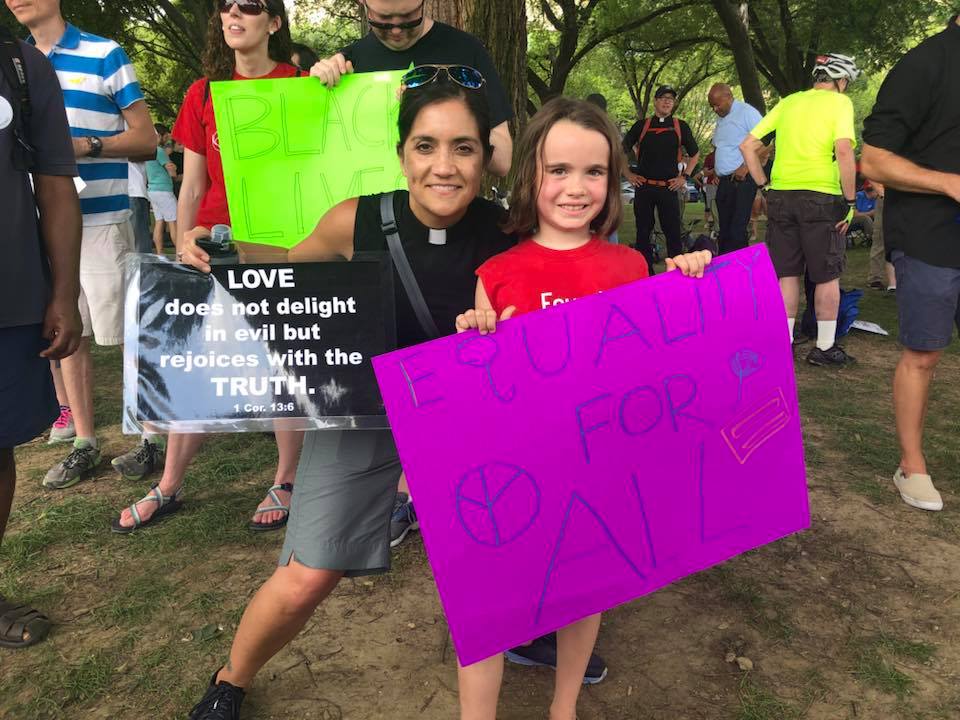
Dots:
pixel 627 27
pixel 550 15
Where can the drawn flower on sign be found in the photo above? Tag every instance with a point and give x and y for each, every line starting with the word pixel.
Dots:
pixel 497 503
pixel 744 363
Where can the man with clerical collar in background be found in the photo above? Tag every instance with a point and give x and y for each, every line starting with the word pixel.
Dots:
pixel 660 141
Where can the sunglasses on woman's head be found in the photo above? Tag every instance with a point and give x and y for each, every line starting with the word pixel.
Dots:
pixel 408 25
pixel 462 75
pixel 247 7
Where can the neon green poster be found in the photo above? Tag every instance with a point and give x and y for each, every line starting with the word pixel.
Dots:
pixel 293 148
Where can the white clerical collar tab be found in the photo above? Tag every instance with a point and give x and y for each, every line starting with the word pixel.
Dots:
pixel 438 237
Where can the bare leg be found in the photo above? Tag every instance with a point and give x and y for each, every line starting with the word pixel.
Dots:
pixel 790 288
pixel 78 380
pixel 911 390
pixel 181 449
pixel 826 300
pixel 8 484
pixel 289 445
pixel 172 228
pixel 574 644
pixel 402 484
pixel 58 385
pixel 891 276
pixel 158 237
pixel 273 618
pixel 480 688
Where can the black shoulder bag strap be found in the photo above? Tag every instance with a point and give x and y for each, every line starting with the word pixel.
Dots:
pixel 15 71
pixel 388 223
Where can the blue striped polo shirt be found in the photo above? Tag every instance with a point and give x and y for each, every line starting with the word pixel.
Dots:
pixel 98 82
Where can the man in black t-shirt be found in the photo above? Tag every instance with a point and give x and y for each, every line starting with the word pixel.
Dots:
pixel 912 146
pixel 655 171
pixel 39 278
pixel 402 35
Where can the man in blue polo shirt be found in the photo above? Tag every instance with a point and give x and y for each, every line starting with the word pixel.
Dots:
pixel 109 122
pixel 737 190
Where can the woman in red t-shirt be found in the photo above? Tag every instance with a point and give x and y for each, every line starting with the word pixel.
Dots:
pixel 246 39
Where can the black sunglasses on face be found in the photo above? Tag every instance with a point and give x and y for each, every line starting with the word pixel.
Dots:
pixel 408 25
pixel 462 75
pixel 247 7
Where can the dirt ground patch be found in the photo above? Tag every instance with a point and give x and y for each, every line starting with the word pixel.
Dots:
pixel 855 618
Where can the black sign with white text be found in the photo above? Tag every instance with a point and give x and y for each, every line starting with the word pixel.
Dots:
pixel 250 344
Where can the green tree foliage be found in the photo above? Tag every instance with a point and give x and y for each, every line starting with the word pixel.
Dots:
pixel 568 30
pixel 787 35
pixel 326 26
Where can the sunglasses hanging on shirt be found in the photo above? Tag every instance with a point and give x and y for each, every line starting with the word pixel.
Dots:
pixel 462 75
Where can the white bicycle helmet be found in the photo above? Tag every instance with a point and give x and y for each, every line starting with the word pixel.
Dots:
pixel 837 66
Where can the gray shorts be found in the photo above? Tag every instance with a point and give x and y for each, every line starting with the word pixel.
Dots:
pixel 928 302
pixel 342 500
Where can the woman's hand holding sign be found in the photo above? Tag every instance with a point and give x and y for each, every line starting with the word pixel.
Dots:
pixel 189 253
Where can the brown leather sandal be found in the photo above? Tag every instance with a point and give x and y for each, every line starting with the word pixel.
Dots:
pixel 21 626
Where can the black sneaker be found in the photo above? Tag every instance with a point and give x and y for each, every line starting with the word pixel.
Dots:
pixel 834 357
pixel 221 702
pixel 403 519
pixel 543 652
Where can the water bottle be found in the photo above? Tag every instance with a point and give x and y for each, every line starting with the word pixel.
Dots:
pixel 219 246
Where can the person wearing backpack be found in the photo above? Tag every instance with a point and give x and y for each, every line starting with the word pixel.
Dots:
pixel 660 141
pixel 39 277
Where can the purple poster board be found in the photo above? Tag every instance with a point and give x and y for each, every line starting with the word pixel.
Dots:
pixel 593 452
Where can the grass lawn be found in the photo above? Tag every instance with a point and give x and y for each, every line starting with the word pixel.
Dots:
pixel 855 618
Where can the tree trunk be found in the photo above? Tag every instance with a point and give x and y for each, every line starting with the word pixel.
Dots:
pixel 501 26
pixel 451 12
pixel 734 23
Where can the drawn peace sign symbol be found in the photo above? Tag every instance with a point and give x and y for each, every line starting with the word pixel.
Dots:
pixel 497 503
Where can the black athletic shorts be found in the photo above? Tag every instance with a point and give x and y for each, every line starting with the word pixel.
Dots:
pixel 802 234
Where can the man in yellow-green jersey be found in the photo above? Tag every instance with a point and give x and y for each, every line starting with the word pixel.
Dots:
pixel 812 195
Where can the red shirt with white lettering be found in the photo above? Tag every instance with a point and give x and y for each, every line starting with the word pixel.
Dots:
pixel 533 277
pixel 196 130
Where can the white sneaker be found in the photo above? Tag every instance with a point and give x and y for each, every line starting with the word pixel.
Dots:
pixel 917 490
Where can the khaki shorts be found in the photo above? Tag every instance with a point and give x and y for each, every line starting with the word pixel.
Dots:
pixel 102 252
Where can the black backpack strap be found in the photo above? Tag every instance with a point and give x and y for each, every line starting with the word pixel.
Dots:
pixel 388 223
pixel 15 71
